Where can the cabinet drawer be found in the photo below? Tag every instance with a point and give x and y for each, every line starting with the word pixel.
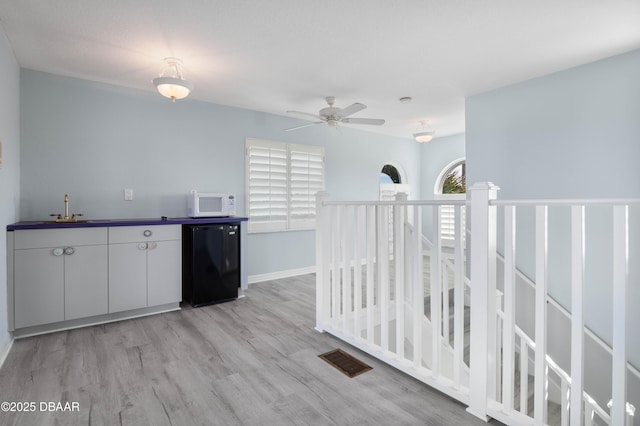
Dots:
pixel 44 238
pixel 132 234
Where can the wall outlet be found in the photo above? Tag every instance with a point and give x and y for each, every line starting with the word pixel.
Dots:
pixel 128 194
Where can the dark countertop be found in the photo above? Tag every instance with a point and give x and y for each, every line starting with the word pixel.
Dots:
pixel 51 224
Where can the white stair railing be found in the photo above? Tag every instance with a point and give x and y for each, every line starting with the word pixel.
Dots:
pixel 370 293
pixel 577 406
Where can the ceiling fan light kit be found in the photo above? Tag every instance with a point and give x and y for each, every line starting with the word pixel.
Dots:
pixel 171 83
pixel 334 115
pixel 423 135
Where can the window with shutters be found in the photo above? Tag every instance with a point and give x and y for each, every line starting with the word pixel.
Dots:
pixel 282 181
pixel 451 186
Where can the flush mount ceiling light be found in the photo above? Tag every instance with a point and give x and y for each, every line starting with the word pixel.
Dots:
pixel 170 83
pixel 423 135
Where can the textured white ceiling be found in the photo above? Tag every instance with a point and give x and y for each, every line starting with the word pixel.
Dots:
pixel 279 55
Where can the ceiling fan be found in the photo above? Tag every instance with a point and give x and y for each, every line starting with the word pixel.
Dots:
pixel 332 115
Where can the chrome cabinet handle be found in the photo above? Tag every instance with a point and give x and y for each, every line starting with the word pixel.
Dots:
pixel 147 233
pixel 58 251
pixel 142 246
pixel 69 250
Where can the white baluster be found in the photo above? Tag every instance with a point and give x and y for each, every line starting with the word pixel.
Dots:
pixel 458 296
pixel 346 269
pixel 509 306
pixel 498 348
pixel 399 258
pixel 524 376
pixel 436 293
pixel 445 303
pixel 371 249
pixel 418 289
pixel 577 313
pixel 357 274
pixel 541 379
pixel 383 262
pixel 620 295
pixel 323 242
pixel 588 415
pixel 564 404
pixel 335 276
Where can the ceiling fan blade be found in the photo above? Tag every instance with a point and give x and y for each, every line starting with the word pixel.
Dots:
pixel 374 121
pixel 304 125
pixel 316 116
pixel 351 109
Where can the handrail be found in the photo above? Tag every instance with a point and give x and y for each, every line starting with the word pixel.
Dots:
pixel 397 203
pixel 566 202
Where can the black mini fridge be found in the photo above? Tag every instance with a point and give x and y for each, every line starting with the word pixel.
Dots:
pixel 210 263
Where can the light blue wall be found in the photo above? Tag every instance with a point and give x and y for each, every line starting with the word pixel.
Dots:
pixel 92 140
pixel 10 171
pixel 573 134
pixel 570 134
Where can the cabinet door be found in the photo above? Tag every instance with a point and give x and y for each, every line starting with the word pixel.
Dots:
pixel 127 276
pixel 86 288
pixel 39 287
pixel 164 267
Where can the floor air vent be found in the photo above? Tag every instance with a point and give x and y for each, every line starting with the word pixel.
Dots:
pixel 344 362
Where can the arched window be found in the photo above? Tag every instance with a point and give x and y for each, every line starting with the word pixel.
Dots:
pixel 391 182
pixel 450 185
pixel 390 172
pixel 455 180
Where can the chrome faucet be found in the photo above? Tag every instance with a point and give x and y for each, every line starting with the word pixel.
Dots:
pixel 66 218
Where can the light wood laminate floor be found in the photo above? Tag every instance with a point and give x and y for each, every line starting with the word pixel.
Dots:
pixel 253 361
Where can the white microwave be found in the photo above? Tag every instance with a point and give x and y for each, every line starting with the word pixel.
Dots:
pixel 210 204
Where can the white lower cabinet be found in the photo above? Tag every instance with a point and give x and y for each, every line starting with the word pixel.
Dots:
pixel 145 266
pixel 59 274
pixel 85 285
pixel 164 273
pixel 127 277
pixel 74 273
pixel 39 290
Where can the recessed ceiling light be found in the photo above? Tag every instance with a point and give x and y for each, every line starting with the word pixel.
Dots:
pixel 405 99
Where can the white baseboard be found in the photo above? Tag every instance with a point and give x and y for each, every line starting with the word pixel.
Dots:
pixel 281 274
pixel 4 352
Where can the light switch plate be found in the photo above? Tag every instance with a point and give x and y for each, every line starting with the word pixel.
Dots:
pixel 128 194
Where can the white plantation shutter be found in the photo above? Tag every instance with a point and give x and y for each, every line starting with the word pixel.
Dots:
pixel 447 225
pixel 282 180
pixel 447 219
pixel 306 178
pixel 267 185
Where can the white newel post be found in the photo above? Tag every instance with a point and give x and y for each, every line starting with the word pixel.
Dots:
pixel 483 300
pixel 322 259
